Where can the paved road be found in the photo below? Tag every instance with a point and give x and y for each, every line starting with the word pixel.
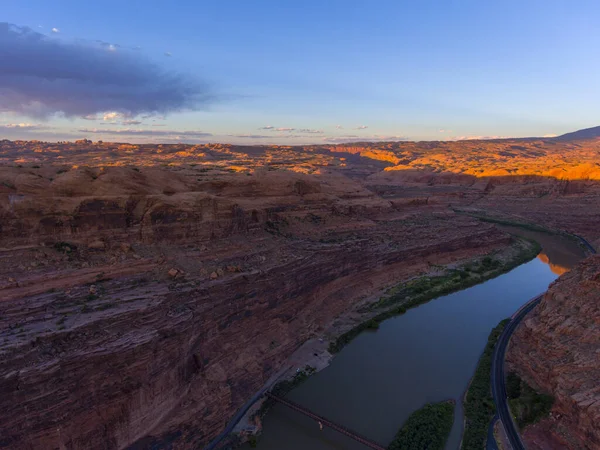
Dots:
pixel 586 243
pixel 491 440
pixel 498 381
pixel 244 409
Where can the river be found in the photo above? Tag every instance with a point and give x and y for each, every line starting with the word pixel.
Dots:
pixel 427 355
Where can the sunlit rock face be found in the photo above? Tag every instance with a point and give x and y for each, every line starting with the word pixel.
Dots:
pixel 556 350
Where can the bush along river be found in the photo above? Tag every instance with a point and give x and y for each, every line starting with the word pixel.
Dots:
pixel 427 355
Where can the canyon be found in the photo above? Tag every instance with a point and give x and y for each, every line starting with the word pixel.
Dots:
pixel 555 350
pixel 148 291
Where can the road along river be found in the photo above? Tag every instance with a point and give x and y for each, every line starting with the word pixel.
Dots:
pixel 427 355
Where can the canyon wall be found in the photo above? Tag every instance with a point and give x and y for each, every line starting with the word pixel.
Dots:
pixel 555 350
pixel 144 308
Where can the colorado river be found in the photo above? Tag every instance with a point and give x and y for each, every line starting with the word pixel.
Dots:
pixel 427 355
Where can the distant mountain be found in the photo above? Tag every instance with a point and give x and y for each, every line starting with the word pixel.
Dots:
pixel 587 133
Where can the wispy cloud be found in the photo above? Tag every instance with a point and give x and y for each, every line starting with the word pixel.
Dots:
pixel 251 136
pixel 355 138
pixel 310 131
pixel 285 129
pixel 168 54
pixel 339 127
pixel 56 30
pixel 23 126
pixel 145 132
pixel 477 138
pixel 131 122
pixel 42 76
pixel 550 135
pixel 268 127
pixel 361 127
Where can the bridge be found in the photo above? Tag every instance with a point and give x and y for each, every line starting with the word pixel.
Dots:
pixel 322 421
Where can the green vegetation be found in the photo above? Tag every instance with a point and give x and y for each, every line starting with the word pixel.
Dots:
pixel 411 294
pixel 526 405
pixel 8 185
pixel 427 428
pixel 285 386
pixel 479 405
pixel 65 247
pixel 252 441
pixel 524 225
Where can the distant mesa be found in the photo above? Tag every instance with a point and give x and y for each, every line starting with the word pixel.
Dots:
pixel 586 133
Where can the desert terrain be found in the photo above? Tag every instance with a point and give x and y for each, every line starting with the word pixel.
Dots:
pixel 148 291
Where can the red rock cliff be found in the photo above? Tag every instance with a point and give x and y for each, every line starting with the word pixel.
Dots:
pixel 556 349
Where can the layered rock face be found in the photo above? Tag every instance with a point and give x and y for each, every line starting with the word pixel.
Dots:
pixel 147 291
pixel 146 307
pixel 555 349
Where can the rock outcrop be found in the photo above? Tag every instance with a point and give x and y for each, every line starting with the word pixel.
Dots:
pixel 556 350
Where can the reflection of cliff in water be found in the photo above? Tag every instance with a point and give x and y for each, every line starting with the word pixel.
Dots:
pixel 555 268
pixel 559 252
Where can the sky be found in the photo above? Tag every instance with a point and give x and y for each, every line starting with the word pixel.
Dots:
pixel 283 72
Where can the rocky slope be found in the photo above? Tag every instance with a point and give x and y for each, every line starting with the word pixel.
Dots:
pixel 149 290
pixel 556 350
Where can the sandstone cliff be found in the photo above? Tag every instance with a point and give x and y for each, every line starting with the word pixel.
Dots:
pixel 555 349
pixel 147 306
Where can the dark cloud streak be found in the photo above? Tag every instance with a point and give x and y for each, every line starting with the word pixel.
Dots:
pixel 41 76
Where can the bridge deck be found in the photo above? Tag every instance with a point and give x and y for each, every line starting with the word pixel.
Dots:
pixel 339 428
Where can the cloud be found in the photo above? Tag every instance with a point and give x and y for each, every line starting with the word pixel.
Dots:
pixel 111 116
pixel 90 117
pixel 285 129
pixel 550 135
pixel 55 30
pixel 478 138
pixel 134 132
pixel 309 131
pixel 131 122
pixel 268 127
pixel 361 127
pixel 355 138
pixel 339 127
pixel 42 76
pixel 23 126
pixel 251 136
pixel 168 54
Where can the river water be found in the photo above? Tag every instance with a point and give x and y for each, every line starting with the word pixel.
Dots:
pixel 427 355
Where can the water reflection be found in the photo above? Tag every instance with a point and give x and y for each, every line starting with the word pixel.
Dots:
pixel 427 355
pixel 555 268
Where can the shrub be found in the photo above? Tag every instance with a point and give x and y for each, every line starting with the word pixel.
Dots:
pixel 427 428
pixel 65 247
pixel 479 404
pixel 527 405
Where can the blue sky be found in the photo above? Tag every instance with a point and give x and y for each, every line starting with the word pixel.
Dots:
pixel 297 72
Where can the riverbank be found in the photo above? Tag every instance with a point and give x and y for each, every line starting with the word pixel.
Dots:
pixel 478 402
pixel 438 281
pixel 446 280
